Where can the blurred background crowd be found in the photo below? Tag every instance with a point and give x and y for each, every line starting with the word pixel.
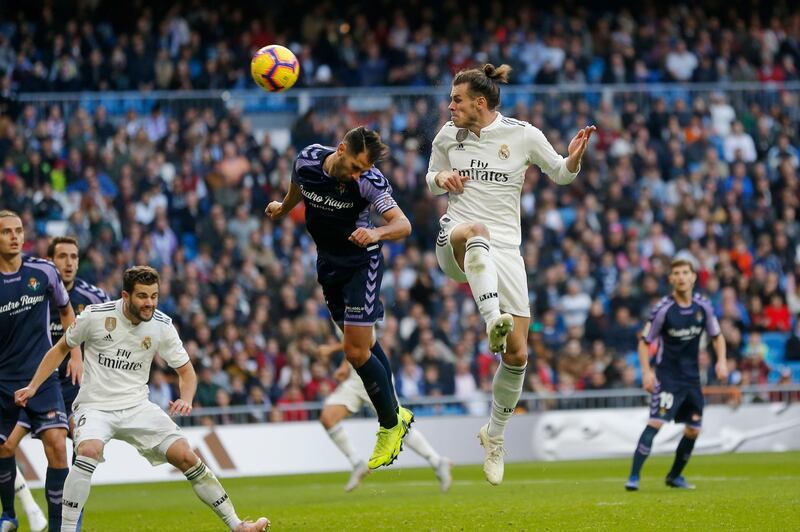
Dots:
pixel 184 190
pixel 99 46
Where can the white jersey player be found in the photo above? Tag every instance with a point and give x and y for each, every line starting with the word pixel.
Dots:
pixel 120 339
pixel 480 159
pixel 349 398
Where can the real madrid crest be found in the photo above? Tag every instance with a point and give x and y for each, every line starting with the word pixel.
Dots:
pixel 111 324
pixel 461 135
pixel 146 343
pixel 504 153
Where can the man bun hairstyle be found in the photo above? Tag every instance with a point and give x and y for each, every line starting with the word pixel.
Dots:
pixel 484 82
pixel 145 275
pixel 362 139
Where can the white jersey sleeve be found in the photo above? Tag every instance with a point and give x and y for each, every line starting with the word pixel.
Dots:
pixel 171 347
pixel 79 330
pixel 541 153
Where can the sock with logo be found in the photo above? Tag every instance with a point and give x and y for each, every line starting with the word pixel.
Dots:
pixel 380 390
pixel 76 492
pixel 643 450
pixel 54 493
pixel 506 389
pixel 211 492
pixel 682 455
pixel 482 277
pixel 378 351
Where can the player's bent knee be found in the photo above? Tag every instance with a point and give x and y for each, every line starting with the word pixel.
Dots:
pixel 91 449
pixel 655 424
pixel 516 358
pixel 181 455
pixel 477 229
pixel 692 432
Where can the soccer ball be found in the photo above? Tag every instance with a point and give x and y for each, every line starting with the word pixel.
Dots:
pixel 274 68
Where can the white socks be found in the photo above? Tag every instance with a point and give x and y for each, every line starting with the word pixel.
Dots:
pixel 76 491
pixel 23 493
pixel 482 277
pixel 506 389
pixel 211 492
pixel 417 442
pixel 342 441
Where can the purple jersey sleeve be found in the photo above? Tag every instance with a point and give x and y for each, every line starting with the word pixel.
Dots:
pixel 656 323
pixel 55 288
pixel 712 323
pixel 375 188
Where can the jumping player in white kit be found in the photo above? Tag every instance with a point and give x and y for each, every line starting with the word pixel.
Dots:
pixel 479 159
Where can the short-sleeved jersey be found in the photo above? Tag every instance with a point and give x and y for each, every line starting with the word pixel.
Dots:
pixel 495 163
pixel 81 296
pixel 334 209
pixel 118 354
pixel 679 329
pixel 25 297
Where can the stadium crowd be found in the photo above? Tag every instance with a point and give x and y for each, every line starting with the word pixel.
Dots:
pixel 99 46
pixel 185 192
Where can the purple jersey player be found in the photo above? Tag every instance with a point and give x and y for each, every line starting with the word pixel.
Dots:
pixel 27 286
pixel 676 323
pixel 340 186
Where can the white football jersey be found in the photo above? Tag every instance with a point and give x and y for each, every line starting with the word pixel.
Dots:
pixel 496 163
pixel 118 354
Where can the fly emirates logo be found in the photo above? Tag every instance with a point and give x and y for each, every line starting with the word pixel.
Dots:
pixel 478 171
pixel 24 303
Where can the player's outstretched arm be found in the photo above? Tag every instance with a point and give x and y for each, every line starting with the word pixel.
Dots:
pixel 577 147
pixel 397 227
pixel 187 383
pixel 75 365
pixel 278 209
pixel 52 359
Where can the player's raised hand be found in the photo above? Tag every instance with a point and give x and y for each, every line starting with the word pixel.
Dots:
pixel 274 210
pixel 722 371
pixel 649 380
pixel 22 395
pixel 578 145
pixel 451 181
pixel 363 237
pixel 75 366
pixel 179 407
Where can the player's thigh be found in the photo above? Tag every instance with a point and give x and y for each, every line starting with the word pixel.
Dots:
pixel 92 426
pixel 19 432
pixel 150 430
pixel 450 256
pixel 690 411
pixel 666 401
pixel 512 282
pixel 361 293
pixel 332 289
pixel 46 410
pixel 9 411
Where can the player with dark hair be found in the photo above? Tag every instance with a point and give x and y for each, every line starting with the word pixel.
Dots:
pixel 63 251
pixel 340 187
pixel 479 159
pixel 678 321
pixel 28 287
pixel 120 339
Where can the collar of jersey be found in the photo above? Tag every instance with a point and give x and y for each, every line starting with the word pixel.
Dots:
pixel 493 125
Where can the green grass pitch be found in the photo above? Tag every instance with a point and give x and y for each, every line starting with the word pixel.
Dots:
pixel 734 492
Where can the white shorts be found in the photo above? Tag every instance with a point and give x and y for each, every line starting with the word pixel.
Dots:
pixel 147 427
pixel 350 393
pixel 512 279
